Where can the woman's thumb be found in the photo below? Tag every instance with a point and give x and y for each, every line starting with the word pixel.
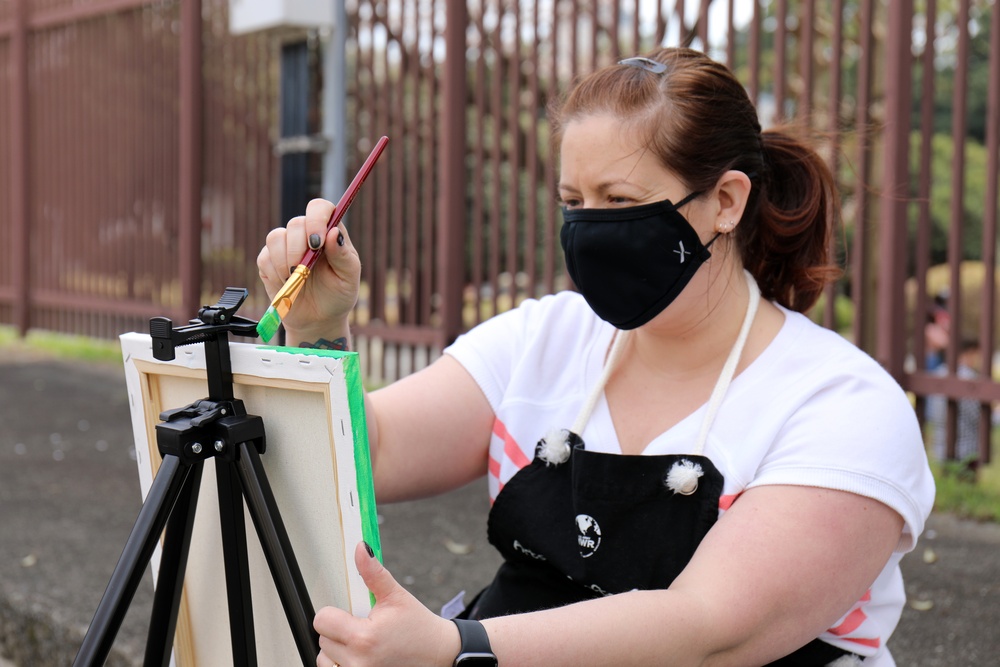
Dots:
pixel 378 579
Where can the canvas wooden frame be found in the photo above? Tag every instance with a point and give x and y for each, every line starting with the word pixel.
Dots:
pixel 316 460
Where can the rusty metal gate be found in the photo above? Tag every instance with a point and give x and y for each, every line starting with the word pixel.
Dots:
pixel 138 172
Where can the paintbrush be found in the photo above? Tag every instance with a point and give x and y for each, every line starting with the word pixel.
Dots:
pixel 283 300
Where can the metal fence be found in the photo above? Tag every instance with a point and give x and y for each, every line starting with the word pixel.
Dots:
pixel 136 166
pixel 139 176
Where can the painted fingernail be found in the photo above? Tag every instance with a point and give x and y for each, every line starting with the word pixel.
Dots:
pixel 340 238
pixel 371 554
pixel 314 241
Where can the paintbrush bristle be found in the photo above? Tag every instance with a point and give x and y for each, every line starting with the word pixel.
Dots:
pixel 268 324
pixel 282 302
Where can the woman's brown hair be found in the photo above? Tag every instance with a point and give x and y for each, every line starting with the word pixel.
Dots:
pixel 700 123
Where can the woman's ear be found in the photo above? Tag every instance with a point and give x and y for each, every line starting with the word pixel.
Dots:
pixel 732 193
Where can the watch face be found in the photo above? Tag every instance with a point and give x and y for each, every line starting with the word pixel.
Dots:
pixel 476 660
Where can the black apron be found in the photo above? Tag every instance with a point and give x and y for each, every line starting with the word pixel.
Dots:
pixel 597 524
pixel 602 524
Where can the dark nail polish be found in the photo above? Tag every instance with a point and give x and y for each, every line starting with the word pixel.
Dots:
pixel 340 238
pixel 371 554
pixel 314 241
pixel 291 270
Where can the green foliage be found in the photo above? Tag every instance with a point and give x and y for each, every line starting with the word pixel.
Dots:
pixel 960 492
pixel 942 194
pixel 947 74
pixel 843 313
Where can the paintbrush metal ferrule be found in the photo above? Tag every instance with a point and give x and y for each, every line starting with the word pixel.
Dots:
pixel 282 302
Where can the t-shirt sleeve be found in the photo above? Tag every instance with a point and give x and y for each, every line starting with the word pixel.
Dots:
pixel 856 433
pixel 488 351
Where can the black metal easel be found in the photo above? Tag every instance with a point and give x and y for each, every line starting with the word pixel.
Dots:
pixel 216 427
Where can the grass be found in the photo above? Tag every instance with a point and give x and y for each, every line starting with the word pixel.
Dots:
pixel 965 494
pixel 49 344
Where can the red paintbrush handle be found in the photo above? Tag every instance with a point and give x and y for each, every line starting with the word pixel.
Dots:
pixel 345 201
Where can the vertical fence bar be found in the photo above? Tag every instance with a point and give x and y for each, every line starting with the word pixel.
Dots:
pixel 987 323
pixel 19 185
pixel 859 273
pixel 451 239
pixel 661 23
pixel 514 143
pixel 477 270
pixel 396 127
pixel 531 158
pixel 895 183
pixel 836 92
pixel 496 154
pixel 636 22
pixel 754 58
pixel 410 77
pixel 923 240
pixel 780 68
pixel 549 235
pixel 190 152
pixel 613 32
pixel 806 69
pixel 432 156
pixel 959 125
pixel 731 34
pixel 703 25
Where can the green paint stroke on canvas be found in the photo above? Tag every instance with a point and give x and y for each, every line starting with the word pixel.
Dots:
pixel 359 430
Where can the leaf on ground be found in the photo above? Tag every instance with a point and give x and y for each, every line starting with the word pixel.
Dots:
pixel 457 548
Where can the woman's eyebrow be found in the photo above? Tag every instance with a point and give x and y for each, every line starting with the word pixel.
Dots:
pixel 604 186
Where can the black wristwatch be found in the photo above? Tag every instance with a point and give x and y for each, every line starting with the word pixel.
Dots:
pixel 475 651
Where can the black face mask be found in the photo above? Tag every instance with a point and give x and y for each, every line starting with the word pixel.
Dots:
pixel 631 263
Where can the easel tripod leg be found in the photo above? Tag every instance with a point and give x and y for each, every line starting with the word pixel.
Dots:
pixel 278 551
pixel 132 564
pixel 170 578
pixel 234 553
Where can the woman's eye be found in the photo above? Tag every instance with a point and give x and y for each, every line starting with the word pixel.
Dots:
pixel 569 202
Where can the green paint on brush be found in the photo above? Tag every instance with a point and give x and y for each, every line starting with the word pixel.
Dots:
pixel 268 324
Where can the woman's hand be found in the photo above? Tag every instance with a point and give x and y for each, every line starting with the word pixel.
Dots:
pixel 399 630
pixel 331 292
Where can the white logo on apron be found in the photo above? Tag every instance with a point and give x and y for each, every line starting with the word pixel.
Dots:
pixel 589 538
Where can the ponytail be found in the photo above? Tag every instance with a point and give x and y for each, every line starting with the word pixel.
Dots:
pixel 786 245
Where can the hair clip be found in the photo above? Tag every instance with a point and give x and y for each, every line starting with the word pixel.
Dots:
pixel 647 64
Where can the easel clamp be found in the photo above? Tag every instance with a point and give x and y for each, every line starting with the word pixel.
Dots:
pixel 206 429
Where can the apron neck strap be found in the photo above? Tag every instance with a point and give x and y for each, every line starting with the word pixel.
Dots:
pixel 721 385
pixel 729 369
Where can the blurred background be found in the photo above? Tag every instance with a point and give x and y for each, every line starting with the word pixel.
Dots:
pixel 147 146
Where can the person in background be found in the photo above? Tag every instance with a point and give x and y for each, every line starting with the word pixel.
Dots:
pixel 683 468
pixel 937 332
pixel 968 412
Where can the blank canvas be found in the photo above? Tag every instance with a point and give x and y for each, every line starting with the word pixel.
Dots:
pixel 316 460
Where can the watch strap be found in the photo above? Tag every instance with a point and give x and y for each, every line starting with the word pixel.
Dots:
pixel 475 643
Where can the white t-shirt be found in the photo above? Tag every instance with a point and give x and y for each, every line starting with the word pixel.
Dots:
pixel 811 410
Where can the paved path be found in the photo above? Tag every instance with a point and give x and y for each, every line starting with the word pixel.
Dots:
pixel 69 494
